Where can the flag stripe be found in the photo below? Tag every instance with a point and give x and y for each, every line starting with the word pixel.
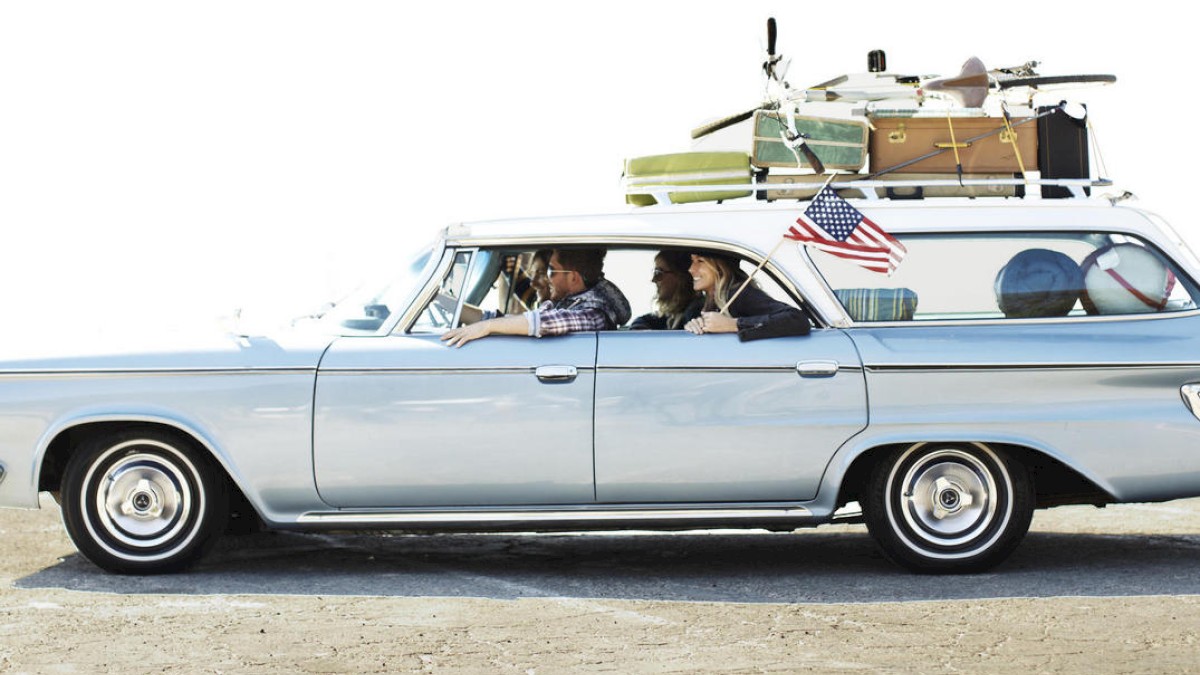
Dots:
pixel 832 225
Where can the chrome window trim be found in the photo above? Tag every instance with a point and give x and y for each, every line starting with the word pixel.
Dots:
pixel 556 515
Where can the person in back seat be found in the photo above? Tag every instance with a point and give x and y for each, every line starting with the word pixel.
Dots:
pixel 581 299
pixel 675 302
pixel 753 315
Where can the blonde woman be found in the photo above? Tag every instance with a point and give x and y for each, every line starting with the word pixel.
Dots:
pixel 753 315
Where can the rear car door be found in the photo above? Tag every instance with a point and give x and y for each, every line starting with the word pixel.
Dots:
pixel 682 418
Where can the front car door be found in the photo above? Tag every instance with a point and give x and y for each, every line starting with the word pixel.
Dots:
pixel 403 421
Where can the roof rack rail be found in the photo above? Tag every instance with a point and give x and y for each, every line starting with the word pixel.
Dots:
pixel 871 190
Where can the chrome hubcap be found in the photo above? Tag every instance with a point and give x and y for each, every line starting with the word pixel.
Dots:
pixel 948 497
pixel 142 500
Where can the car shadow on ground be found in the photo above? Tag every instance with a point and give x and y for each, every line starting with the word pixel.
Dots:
pixel 805 567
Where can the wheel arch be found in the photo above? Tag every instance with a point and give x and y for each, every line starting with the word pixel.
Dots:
pixel 1056 479
pixel 65 438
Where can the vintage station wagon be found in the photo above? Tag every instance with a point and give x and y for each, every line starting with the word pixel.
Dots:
pixel 1026 353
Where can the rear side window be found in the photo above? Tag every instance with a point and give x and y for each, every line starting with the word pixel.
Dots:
pixel 1013 276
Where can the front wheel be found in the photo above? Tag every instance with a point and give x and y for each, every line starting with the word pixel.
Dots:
pixel 143 502
pixel 948 507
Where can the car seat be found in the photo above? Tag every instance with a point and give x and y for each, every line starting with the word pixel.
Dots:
pixel 878 304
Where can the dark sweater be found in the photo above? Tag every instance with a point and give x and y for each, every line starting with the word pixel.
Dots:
pixel 761 316
pixel 660 322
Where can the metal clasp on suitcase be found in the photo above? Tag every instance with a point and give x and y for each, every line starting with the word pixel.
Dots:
pixel 899 135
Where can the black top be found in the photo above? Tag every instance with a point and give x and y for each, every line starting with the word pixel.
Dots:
pixel 761 316
pixel 660 322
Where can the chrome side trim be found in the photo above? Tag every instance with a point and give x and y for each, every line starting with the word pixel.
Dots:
pixel 1189 392
pixel 631 515
pixel 975 367
pixel 127 372
pixel 713 369
pixel 420 370
pixel 1097 318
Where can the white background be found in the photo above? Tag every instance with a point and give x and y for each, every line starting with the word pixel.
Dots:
pixel 167 163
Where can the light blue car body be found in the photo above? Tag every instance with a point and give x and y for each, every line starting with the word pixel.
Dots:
pixel 658 428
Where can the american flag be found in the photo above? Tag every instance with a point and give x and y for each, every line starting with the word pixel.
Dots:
pixel 832 225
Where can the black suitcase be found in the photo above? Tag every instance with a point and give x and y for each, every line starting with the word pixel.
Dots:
pixel 1062 150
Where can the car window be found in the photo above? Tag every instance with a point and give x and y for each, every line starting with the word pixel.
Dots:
pixel 1012 276
pixel 494 280
pixel 439 314
pixel 369 306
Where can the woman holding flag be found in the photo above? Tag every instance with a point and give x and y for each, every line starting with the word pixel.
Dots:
pixel 732 305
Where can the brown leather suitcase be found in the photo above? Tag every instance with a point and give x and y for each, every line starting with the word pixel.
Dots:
pixel 896 140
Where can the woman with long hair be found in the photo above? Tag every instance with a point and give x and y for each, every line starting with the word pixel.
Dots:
pixel 753 314
pixel 532 287
pixel 675 302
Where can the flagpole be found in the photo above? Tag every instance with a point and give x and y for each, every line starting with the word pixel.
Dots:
pixel 725 309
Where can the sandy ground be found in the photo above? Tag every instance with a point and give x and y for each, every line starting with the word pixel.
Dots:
pixel 58 630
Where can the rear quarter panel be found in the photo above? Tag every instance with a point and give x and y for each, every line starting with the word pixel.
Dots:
pixel 1102 396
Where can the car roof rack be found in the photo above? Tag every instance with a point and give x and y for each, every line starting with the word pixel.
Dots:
pixel 869 190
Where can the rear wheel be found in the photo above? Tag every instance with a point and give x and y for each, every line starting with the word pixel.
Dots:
pixel 143 502
pixel 948 507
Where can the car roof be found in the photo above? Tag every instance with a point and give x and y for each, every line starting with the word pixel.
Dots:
pixel 757 226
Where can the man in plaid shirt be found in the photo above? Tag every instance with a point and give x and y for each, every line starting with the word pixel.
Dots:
pixel 581 299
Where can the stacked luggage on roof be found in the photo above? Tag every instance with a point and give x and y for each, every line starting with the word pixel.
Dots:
pixel 976 134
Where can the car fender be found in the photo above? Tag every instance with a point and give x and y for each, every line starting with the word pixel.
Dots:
pixel 174 419
pixel 867 441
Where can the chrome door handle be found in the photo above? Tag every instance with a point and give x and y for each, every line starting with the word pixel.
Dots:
pixel 556 373
pixel 817 368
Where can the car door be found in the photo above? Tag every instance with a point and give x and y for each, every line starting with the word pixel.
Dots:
pixel 405 421
pixel 686 418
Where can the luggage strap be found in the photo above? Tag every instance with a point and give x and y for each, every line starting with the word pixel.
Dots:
pixel 1159 306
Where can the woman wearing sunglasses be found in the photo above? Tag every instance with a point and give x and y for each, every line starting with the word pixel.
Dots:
pixel 675 302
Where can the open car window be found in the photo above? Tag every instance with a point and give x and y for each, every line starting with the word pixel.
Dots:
pixel 1013 276
pixel 483 282
pixel 439 315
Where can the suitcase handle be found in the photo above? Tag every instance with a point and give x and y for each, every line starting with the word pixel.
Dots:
pixel 947 146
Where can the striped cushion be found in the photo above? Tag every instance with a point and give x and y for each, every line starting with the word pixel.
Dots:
pixel 878 304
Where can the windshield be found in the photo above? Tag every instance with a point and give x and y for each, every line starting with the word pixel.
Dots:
pixel 367 308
